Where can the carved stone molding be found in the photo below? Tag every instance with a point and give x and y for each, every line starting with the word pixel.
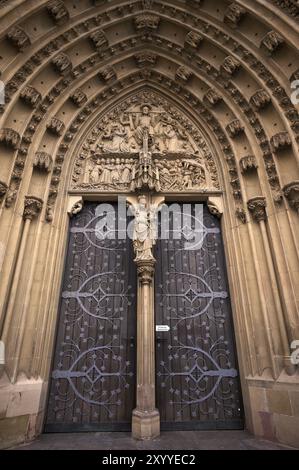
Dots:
pixel 146 270
pixel 3 190
pixel 79 98
pixel 235 128
pixel 233 15
pixel 30 96
pixel 43 161
pixel 55 126
pixel 212 97
pixel 183 73
pixel 10 138
pixel 32 207
pixel 248 163
pixel 271 42
pixel 18 38
pixel 193 39
pixel 291 192
pixel 230 65
pixel 260 100
pixel 62 63
pixel 147 22
pixel 58 11
pixel 145 59
pixel 108 74
pixel 257 207
pixel 98 39
pixel 280 141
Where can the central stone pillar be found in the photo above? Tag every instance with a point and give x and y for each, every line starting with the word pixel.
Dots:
pixel 146 418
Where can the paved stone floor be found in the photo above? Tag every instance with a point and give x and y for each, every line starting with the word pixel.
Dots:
pixel 177 440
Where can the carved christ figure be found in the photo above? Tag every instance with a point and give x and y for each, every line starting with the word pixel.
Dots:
pixel 144 128
pixel 144 234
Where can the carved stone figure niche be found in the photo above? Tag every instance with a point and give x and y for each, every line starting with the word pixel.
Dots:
pixel 145 142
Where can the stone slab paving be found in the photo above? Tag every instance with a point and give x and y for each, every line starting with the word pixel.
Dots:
pixel 177 440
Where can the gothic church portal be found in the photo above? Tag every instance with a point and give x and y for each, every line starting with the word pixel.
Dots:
pixel 159 105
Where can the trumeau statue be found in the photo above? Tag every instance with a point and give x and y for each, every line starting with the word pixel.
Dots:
pixel 145 229
pixel 145 143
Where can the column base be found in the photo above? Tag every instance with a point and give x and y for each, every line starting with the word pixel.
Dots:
pixel 145 425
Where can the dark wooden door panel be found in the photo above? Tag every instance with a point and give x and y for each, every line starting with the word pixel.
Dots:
pixel 197 378
pixel 93 377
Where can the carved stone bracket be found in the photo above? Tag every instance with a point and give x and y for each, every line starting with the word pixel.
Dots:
pixel 230 66
pixel 291 192
pixel 215 206
pixel 79 98
pixel 30 96
pixel 55 126
pixel 183 73
pixel 98 39
pixel 58 11
pixel 257 207
pixel 32 207
pixel 75 205
pixel 233 15
pixel 212 97
pixel 10 138
pixel 235 128
pixel 260 100
pixel 43 161
pixel 271 42
pixel 248 163
pixel 280 141
pixel 62 63
pixel 146 22
pixel 18 38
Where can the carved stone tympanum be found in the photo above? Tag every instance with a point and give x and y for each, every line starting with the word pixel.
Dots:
pixel 143 145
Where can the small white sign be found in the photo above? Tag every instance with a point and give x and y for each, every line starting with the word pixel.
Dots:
pixel 162 327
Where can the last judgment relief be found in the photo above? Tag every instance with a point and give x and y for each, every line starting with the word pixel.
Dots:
pixel 145 142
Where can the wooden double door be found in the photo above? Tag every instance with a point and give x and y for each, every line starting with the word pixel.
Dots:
pixel 93 377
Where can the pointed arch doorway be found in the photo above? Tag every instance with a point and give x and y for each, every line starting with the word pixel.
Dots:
pixel 144 147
